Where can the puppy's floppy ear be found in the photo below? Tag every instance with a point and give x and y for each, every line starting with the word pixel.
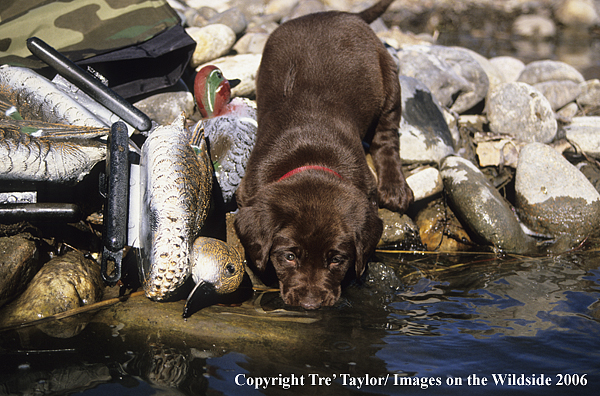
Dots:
pixel 256 234
pixel 366 240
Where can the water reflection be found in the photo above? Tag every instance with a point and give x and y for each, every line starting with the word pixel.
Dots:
pixel 514 296
pixel 511 315
pixel 426 319
pixel 97 362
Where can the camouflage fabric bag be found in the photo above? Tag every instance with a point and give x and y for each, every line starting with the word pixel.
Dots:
pixel 138 45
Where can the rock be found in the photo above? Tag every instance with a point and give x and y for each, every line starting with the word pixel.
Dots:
pixel 584 132
pixel 522 111
pixel 304 8
pixel 577 14
pixel 399 230
pixel 553 197
pixel 452 120
pixel 280 8
pixel 559 93
pixel 481 207
pixel 208 12
pixel 251 43
pixel 591 171
pixel 451 73
pixel 417 62
pixel 255 38
pixel 345 5
pixel 549 70
pixel 180 8
pixel 19 262
pixel 425 183
pixel 233 18
pixel 497 150
pixel 467 64
pixel 263 27
pixel 165 107
pixel 397 39
pixel 198 18
pixel 440 229
pixel 394 54
pixel 424 134
pixel 64 283
pixel 219 6
pixel 252 9
pixel 243 67
pixel 141 317
pixel 509 67
pixel 377 25
pixel 476 121
pixel 382 280
pixel 535 26
pixel 212 42
pixel 494 74
pixel 567 113
pixel 590 94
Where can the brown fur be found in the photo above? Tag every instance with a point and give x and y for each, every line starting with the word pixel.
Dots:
pixel 325 83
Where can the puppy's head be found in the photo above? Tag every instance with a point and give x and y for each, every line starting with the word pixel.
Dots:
pixel 312 229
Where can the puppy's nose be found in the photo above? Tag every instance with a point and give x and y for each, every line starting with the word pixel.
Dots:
pixel 310 303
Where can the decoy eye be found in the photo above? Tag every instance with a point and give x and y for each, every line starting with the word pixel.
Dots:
pixel 219 74
pixel 230 268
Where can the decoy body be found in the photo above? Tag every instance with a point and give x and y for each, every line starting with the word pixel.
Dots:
pixel 229 125
pixel 176 184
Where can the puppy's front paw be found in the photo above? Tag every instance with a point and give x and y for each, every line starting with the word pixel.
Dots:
pixel 395 196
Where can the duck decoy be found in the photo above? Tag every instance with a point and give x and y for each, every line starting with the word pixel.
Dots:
pixel 217 269
pixel 229 125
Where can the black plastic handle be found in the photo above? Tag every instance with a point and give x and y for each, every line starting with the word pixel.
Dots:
pixel 89 84
pixel 117 201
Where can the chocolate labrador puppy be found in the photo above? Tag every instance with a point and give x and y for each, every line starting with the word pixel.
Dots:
pixel 308 202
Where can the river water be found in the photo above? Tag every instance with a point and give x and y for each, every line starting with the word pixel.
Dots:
pixel 418 324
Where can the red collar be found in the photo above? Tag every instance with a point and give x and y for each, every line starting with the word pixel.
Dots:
pixel 308 167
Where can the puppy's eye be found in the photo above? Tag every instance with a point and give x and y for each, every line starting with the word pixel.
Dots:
pixel 289 256
pixel 336 260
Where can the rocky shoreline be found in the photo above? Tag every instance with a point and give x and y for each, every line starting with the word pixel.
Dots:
pixel 500 154
pixel 458 103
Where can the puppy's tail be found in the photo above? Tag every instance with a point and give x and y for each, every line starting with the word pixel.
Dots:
pixel 375 11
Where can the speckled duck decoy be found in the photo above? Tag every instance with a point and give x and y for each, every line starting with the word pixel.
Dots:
pixel 176 185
